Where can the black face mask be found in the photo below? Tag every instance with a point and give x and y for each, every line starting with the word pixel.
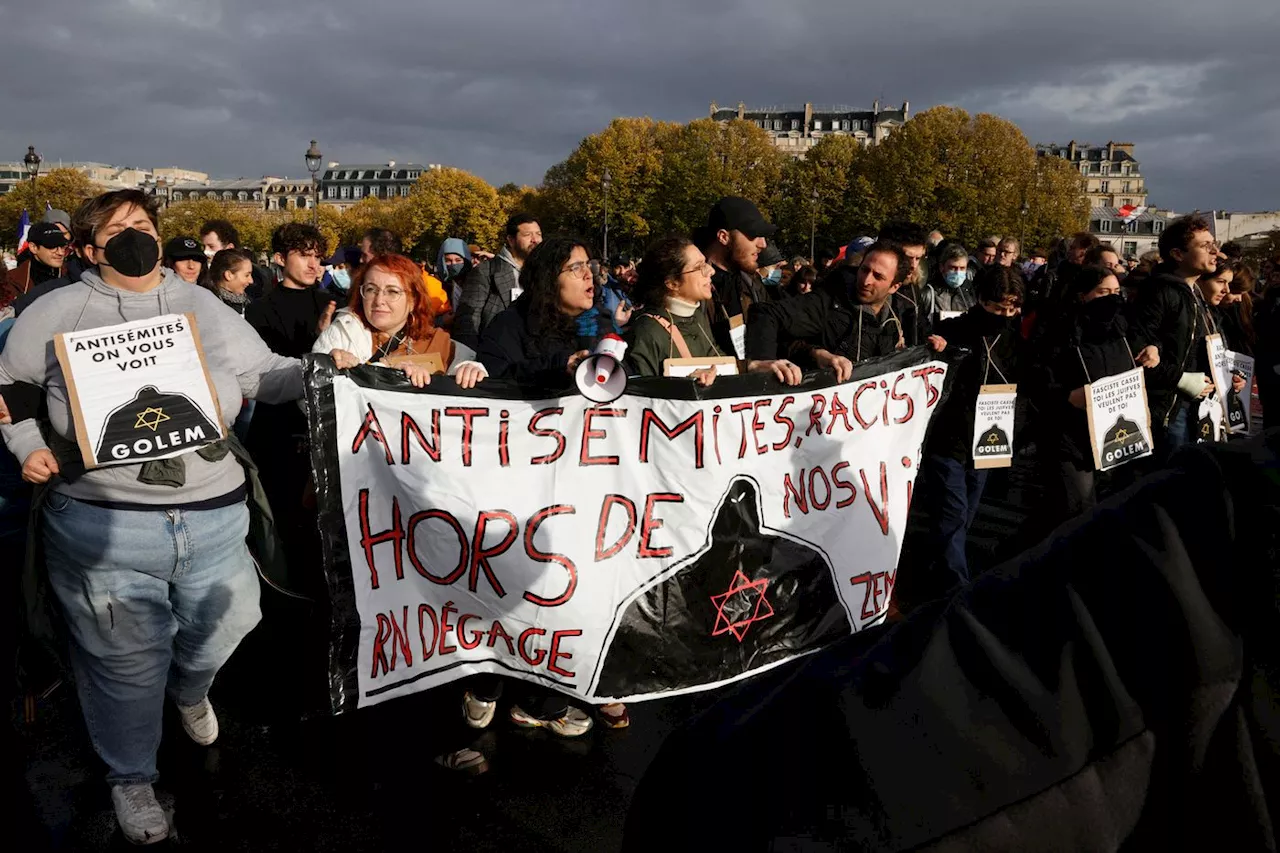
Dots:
pixel 132 253
pixel 1102 311
pixel 995 324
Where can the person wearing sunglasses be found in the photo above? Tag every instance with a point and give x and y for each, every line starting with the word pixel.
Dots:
pixel 390 316
pixel 47 248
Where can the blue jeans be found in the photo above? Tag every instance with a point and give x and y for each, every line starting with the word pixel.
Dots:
pixel 1178 433
pixel 153 601
pixel 953 490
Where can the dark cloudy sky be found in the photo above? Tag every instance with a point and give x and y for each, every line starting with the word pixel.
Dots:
pixel 505 89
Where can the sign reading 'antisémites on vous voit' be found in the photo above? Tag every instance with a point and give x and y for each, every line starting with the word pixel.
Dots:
pixel 139 391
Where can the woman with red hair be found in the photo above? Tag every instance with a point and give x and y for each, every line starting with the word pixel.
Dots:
pixel 390 316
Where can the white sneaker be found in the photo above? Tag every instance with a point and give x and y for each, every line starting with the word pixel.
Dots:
pixel 477 712
pixel 139 815
pixel 574 723
pixel 199 722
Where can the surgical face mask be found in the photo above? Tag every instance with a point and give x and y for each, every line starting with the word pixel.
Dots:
pixel 342 279
pixel 132 253
pixel 453 270
pixel 955 278
pixel 209 253
pixel 774 277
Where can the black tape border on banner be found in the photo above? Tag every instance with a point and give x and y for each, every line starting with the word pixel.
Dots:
pixel 319 372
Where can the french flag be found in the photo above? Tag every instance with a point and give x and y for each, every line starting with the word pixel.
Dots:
pixel 24 226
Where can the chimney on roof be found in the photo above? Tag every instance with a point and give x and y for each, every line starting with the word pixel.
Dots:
pixel 333 164
pixel 391 164
pixel 742 110
pixel 875 107
pixel 714 108
pixel 1111 151
pixel 906 109
pixel 808 119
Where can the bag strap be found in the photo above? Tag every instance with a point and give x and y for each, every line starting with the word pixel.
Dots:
pixel 677 339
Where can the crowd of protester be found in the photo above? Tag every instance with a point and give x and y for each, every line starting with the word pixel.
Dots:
pixel 1050 320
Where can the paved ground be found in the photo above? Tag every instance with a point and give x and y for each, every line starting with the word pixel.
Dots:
pixel 282 779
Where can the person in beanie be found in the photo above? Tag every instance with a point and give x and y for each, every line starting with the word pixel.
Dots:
pixel 46 252
pixel 186 257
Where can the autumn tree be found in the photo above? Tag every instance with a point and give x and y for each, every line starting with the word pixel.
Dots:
pixel 186 218
pixel 63 189
pixel 822 196
pixel 968 176
pixel 369 213
pixel 450 203
pixel 572 198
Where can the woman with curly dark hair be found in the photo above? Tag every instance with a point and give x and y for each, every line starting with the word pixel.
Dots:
pixel 674 282
pixel 535 341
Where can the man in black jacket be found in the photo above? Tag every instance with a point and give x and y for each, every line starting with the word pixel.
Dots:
pixel 490 288
pixel 951 486
pixel 845 320
pixel 1170 314
pixel 735 235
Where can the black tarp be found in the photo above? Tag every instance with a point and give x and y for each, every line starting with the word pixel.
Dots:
pixel 1116 688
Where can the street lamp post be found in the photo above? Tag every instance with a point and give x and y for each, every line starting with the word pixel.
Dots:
pixel 313 166
pixel 813 229
pixel 32 162
pixel 1022 233
pixel 606 181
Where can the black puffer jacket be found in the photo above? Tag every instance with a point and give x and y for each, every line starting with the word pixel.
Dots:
pixel 951 433
pixel 825 318
pixel 1169 314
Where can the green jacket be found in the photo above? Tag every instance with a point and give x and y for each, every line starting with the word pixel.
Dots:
pixel 649 344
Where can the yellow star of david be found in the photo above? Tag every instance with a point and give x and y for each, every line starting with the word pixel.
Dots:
pixel 151 418
pixel 993 439
pixel 1121 434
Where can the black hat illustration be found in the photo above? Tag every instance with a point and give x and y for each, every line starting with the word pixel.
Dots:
pixel 1235 408
pixel 154 424
pixel 750 598
pixel 1123 440
pixel 992 442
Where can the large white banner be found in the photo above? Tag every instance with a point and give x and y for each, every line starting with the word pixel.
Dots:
pixel 645 547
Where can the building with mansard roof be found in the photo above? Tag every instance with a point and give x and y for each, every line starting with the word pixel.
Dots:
pixel 796 129
pixel 345 184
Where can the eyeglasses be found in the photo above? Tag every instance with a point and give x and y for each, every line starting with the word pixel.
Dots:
pixel 704 268
pixel 581 269
pixel 391 294
pixel 1211 246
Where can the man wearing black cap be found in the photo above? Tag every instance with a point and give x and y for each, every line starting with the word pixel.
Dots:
pixel 735 236
pixel 45 255
pixel 186 257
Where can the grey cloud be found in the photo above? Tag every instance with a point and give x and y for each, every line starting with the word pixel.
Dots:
pixel 238 88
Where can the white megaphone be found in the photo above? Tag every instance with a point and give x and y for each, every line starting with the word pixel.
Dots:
pixel 601 377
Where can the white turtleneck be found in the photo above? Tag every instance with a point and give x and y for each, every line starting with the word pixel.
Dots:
pixel 681 308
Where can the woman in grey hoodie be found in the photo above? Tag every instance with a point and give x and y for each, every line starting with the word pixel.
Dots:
pixel 147 560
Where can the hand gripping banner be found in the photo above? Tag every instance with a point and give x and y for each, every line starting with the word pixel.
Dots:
pixel 675 539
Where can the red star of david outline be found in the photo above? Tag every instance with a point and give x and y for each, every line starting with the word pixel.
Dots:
pixel 762 610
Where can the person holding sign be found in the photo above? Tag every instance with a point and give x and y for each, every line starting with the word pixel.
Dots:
pixel 1090 344
pixel 969 435
pixel 1169 314
pixel 146 556
pixel 675 279
pixel 390 321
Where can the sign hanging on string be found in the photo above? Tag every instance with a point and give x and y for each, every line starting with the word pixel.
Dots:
pixel 1119 420
pixel 993 422
pixel 139 391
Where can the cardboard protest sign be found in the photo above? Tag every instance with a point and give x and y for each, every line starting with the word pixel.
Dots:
pixel 677 538
pixel 1238 405
pixel 1119 420
pixel 139 391
pixel 725 365
pixel 993 426
pixel 738 334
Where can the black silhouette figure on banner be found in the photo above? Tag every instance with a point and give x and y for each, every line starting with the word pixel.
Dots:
pixel 993 442
pixel 153 425
pixel 1236 417
pixel 749 599
pixel 1123 441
